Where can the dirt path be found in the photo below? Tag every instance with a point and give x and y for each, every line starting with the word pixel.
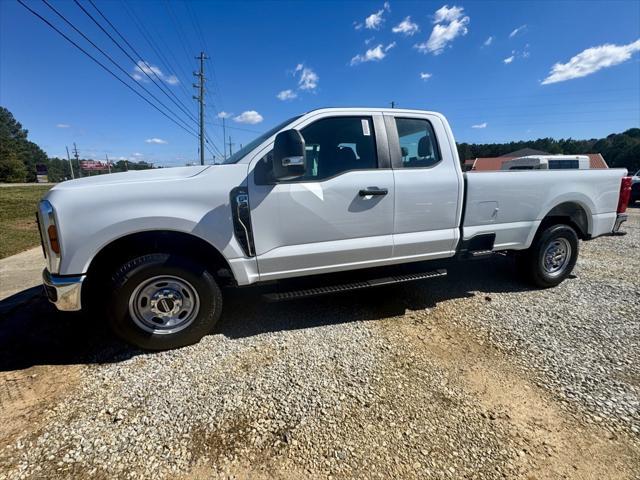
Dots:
pixel 26 395
pixel 550 442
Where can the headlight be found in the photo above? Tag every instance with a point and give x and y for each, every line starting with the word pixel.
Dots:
pixel 49 235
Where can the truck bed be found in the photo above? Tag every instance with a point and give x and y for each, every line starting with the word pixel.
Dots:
pixel 512 204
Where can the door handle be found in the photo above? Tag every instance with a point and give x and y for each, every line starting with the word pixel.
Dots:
pixel 373 191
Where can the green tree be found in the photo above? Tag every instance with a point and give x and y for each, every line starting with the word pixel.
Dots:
pixel 14 145
pixel 12 169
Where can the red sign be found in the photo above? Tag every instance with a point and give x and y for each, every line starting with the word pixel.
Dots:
pixel 93 165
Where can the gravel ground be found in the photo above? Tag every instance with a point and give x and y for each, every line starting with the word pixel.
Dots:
pixel 473 375
pixel 582 339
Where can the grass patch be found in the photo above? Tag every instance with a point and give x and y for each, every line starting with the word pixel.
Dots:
pixel 18 228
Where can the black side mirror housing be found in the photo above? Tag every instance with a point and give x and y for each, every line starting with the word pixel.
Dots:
pixel 289 155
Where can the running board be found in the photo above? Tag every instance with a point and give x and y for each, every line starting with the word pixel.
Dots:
pixel 348 287
pixel 481 253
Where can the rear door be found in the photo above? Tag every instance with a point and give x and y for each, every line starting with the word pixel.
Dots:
pixel 339 216
pixel 428 187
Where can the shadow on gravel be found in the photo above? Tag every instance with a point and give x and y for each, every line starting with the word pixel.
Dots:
pixel 33 332
pixel 245 318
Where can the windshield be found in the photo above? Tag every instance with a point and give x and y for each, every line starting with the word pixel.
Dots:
pixel 235 158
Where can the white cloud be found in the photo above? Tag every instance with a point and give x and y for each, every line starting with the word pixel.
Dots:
pixel 308 78
pixel 425 76
pixel 375 20
pixel 590 61
pixel 138 155
pixel 444 33
pixel 480 125
pixel 369 40
pixel 445 14
pixel 223 114
pixel 156 140
pixel 510 59
pixel 373 54
pixel 287 95
pixel 144 67
pixel 488 41
pixel 406 27
pixel 63 125
pixel 516 31
pixel 250 116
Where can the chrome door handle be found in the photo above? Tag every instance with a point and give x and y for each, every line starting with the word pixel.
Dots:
pixel 373 191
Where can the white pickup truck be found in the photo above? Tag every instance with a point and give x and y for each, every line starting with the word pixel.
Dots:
pixel 332 190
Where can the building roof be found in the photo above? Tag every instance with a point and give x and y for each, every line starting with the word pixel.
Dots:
pixel 495 163
pixel 523 152
pixel 596 161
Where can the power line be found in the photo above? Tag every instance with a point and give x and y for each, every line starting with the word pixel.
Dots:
pixel 176 24
pixel 181 106
pixel 235 128
pixel 534 96
pixel 147 36
pixel 561 122
pixel 530 114
pixel 21 2
pixel 544 105
pixel 108 57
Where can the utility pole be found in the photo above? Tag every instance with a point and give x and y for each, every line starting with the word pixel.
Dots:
pixel 108 164
pixel 200 98
pixel 224 135
pixel 70 164
pixel 230 146
pixel 75 154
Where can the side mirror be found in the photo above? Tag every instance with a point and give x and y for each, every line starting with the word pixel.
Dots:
pixel 289 155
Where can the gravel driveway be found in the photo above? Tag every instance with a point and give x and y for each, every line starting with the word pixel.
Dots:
pixel 473 375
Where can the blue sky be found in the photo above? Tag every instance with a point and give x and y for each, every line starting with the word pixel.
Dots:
pixel 500 71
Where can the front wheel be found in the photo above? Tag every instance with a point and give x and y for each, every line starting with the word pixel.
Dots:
pixel 162 301
pixel 551 257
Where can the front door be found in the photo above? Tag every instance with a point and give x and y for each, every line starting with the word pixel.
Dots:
pixel 339 215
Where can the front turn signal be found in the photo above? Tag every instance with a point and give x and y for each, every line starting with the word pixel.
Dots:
pixel 52 232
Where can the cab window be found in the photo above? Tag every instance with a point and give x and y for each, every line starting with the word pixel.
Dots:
pixel 339 144
pixel 418 145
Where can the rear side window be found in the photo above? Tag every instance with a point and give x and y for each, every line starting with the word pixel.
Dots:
pixel 418 145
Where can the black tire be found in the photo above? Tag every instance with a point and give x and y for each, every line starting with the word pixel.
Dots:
pixel 531 262
pixel 134 273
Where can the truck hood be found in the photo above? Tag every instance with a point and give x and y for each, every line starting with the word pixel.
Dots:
pixel 133 176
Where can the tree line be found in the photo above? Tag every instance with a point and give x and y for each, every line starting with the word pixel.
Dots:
pixel 620 150
pixel 19 156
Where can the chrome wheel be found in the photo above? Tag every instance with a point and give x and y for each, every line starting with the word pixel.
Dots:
pixel 164 304
pixel 556 257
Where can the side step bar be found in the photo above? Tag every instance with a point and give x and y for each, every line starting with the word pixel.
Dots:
pixel 348 287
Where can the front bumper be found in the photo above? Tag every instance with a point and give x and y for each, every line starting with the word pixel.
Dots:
pixel 620 219
pixel 63 292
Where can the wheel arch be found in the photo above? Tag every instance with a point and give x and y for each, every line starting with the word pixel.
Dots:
pixel 135 244
pixel 572 213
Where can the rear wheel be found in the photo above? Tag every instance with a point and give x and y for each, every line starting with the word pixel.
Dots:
pixel 162 301
pixel 551 257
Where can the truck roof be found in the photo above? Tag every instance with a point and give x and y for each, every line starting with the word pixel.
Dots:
pixel 373 109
